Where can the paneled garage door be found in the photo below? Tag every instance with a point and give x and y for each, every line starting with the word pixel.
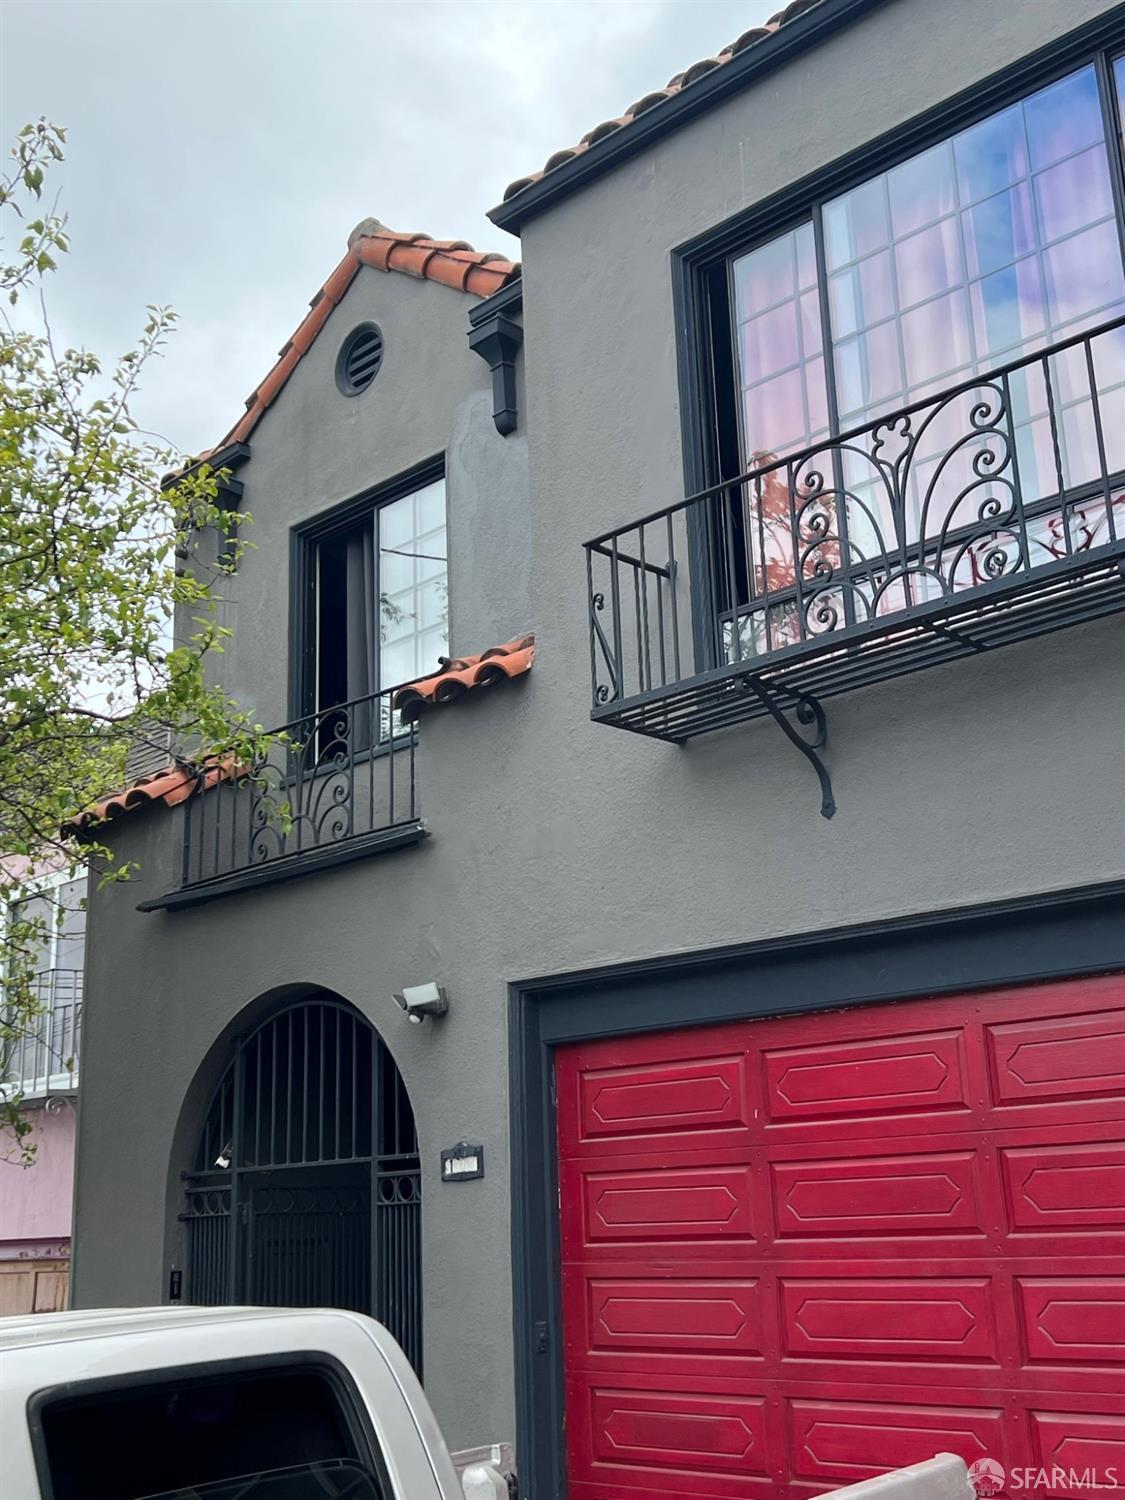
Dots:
pixel 800 1252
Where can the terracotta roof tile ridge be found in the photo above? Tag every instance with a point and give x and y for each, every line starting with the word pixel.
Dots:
pixel 459 674
pixel 674 86
pixel 452 263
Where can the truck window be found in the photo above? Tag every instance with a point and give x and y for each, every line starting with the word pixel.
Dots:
pixel 285 1432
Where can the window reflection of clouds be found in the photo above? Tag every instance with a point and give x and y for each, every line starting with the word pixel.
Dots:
pixel 1017 210
pixel 781 375
pixel 981 249
pixel 415 598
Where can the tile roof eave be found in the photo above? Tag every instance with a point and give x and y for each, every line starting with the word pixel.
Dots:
pixel 451 263
pixel 804 24
pixel 171 785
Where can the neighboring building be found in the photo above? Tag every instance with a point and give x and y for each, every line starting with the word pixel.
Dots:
pixel 41 1065
pixel 786 1148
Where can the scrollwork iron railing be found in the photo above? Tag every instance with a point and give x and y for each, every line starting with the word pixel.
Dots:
pixel 988 511
pixel 338 776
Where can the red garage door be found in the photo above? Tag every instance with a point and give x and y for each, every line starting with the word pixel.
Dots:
pixel 799 1252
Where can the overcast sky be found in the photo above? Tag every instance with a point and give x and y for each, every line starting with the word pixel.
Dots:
pixel 221 150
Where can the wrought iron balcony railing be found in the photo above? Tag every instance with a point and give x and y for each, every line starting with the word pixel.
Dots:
pixel 41 1058
pixel 986 513
pixel 331 787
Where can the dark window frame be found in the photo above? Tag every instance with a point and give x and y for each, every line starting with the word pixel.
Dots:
pixel 701 268
pixel 303 539
pixel 359 1426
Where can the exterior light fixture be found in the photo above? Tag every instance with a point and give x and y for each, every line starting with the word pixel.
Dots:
pixel 422 1000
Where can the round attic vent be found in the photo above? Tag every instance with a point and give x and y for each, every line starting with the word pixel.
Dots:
pixel 359 359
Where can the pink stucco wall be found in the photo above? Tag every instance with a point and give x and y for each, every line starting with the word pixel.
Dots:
pixel 35 1202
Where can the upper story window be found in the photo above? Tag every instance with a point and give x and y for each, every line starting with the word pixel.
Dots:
pixel 780 352
pixel 906 425
pixel 377 597
pixel 998 241
pixel 1001 239
pixel 59 911
pixel 42 1055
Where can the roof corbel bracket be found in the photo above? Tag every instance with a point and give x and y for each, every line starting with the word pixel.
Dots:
pixel 496 340
pixel 808 712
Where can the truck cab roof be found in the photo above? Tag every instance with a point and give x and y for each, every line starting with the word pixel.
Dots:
pixel 59 1327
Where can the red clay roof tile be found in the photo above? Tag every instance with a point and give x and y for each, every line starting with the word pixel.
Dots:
pixel 173 785
pixel 658 96
pixel 176 783
pixel 452 263
pixel 460 673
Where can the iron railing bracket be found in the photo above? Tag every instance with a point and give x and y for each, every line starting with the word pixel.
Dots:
pixel 808 712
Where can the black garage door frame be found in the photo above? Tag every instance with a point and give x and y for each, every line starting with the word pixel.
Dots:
pixel 1054 935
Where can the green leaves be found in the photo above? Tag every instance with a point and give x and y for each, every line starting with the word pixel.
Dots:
pixel 109 580
pixel 37 145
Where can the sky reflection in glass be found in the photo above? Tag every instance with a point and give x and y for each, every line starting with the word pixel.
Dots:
pixel 1005 210
pixel 983 248
pixel 781 373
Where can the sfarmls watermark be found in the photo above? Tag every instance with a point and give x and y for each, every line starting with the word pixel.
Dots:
pixel 990 1478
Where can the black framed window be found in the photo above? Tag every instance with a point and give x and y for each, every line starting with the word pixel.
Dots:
pixel 988 244
pixel 373 594
pixel 992 243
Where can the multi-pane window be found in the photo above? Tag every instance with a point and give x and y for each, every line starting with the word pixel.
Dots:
pixel 998 241
pixel 413 591
pixel 60 917
pixel 967 254
pixel 43 1052
pixel 780 353
pixel 380 602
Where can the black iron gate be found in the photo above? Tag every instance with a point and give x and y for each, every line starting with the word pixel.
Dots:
pixel 306 1187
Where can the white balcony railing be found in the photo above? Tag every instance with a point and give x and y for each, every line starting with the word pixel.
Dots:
pixel 42 1058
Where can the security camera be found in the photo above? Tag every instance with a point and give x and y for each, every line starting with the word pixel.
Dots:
pixel 422 1000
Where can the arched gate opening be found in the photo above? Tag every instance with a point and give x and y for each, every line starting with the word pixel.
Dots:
pixel 305 1188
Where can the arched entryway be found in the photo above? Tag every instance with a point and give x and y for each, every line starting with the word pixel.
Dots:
pixel 305 1187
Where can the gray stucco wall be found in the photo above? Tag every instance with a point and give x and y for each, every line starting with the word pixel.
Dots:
pixel 557 844
pixel 315 448
pixel 163 989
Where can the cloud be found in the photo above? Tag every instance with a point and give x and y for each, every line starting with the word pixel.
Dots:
pixel 220 152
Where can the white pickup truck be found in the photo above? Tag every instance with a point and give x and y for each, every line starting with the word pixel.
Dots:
pixel 254 1403
pixel 214 1404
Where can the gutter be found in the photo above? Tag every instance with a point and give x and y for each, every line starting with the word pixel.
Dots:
pixel 789 41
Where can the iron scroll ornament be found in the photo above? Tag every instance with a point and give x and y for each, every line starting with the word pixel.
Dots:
pixel 808 712
pixel 980 527
pixel 604 692
pixel 985 514
pixel 306 800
